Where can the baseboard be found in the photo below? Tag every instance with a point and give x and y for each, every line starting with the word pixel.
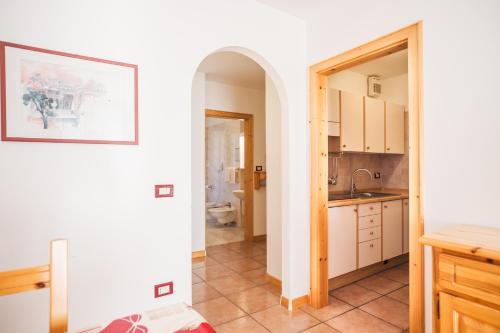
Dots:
pixel 259 238
pixel 198 254
pixel 296 302
pixel 274 281
pixel 344 280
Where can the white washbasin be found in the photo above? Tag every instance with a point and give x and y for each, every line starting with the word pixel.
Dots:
pixel 240 194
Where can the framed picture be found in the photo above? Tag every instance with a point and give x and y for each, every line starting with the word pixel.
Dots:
pixel 51 96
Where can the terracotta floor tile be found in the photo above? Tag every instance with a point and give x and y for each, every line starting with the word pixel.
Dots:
pixel 261 259
pixel 203 292
pixel 213 249
pixel 230 284
pixel 254 299
pixel 213 272
pixel 203 262
pixel 357 321
pixel 252 252
pixel 243 265
pixel 257 276
pixel 195 278
pixel 396 274
pixel 245 325
pixel 321 328
pixel 334 308
pixel 224 257
pixel 389 310
pixel 218 311
pixel 379 284
pixel 401 295
pixel 239 246
pixel 279 320
pixel 272 288
pixel 354 295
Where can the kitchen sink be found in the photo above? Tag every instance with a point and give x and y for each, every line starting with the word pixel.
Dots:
pixel 358 195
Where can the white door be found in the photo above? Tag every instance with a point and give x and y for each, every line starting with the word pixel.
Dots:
pixel 394 128
pixel 374 125
pixel 351 122
pixel 406 226
pixel 342 244
pixel 392 229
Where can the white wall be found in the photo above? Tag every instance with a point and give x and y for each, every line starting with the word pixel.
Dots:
pixel 460 88
pixel 395 89
pixel 122 240
pixel 348 81
pixel 274 183
pixel 224 97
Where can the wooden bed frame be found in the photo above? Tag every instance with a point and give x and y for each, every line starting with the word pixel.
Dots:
pixel 53 275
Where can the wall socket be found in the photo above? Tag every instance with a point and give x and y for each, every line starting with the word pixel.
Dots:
pixel 164 289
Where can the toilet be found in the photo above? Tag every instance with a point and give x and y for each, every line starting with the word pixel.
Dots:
pixel 223 214
pixel 210 205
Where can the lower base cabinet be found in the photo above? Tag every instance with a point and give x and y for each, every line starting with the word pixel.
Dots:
pixel 369 252
pixel 342 233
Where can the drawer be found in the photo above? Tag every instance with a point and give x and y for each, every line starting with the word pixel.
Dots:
pixel 369 209
pixel 470 277
pixel 369 221
pixel 369 252
pixel 369 234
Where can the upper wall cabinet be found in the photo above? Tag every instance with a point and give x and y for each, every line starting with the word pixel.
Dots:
pixel 394 128
pixel 333 109
pixel 374 125
pixel 351 122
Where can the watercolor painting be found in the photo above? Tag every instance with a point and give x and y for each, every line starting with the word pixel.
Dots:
pixel 49 96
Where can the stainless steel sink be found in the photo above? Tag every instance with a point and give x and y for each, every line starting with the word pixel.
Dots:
pixel 358 195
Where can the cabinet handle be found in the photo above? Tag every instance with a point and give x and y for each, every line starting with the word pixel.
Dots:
pixel 371 245
pixel 388 148
pixel 343 146
pixel 355 210
pixel 371 233
pixel 371 208
pixel 385 206
pixel 371 221
pixel 367 147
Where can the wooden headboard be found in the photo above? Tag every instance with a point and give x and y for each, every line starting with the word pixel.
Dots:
pixel 53 276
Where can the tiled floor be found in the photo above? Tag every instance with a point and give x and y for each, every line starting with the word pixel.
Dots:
pixel 231 292
pixel 219 234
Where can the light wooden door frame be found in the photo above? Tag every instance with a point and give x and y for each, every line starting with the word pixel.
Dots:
pixel 410 38
pixel 248 173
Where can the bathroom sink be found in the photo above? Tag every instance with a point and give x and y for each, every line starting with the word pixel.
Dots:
pixel 240 194
pixel 358 195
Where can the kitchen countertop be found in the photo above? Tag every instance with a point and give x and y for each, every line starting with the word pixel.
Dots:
pixel 398 194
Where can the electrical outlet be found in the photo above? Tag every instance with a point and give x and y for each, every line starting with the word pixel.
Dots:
pixel 376 175
pixel 164 289
pixel 164 191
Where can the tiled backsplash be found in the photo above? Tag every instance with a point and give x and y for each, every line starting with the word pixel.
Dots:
pixel 393 169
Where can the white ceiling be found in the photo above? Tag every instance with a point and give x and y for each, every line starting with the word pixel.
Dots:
pixel 388 66
pixel 233 68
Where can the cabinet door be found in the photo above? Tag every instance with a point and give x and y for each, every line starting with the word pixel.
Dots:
pixel 406 226
pixel 392 229
pixel 461 315
pixel 333 104
pixel 374 125
pixel 394 128
pixel 342 232
pixel 351 122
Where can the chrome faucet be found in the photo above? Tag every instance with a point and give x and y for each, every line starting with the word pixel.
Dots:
pixel 353 186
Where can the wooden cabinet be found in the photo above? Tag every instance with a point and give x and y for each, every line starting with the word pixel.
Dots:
pixel 374 125
pixel 392 229
pixel 406 226
pixel 394 128
pixel 342 242
pixel 466 279
pixel 333 111
pixel 351 122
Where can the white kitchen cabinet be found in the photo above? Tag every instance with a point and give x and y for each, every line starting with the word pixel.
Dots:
pixel 333 104
pixel 342 243
pixel 374 125
pixel 406 226
pixel 394 128
pixel 351 122
pixel 369 252
pixel 392 229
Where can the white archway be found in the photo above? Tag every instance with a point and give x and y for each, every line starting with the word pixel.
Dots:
pixel 277 170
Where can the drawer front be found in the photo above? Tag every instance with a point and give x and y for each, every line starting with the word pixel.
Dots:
pixel 475 278
pixel 369 221
pixel 369 234
pixel 369 252
pixel 369 209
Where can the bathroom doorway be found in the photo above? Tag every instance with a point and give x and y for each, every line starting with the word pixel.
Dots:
pixel 228 177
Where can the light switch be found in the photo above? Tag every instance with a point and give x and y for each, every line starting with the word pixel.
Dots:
pixel 164 191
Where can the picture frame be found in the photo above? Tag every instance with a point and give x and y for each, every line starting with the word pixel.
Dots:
pixel 52 96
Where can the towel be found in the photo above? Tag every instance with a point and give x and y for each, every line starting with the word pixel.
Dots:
pixel 230 175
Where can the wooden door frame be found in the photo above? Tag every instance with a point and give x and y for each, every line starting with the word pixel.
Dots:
pixel 248 173
pixel 410 38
